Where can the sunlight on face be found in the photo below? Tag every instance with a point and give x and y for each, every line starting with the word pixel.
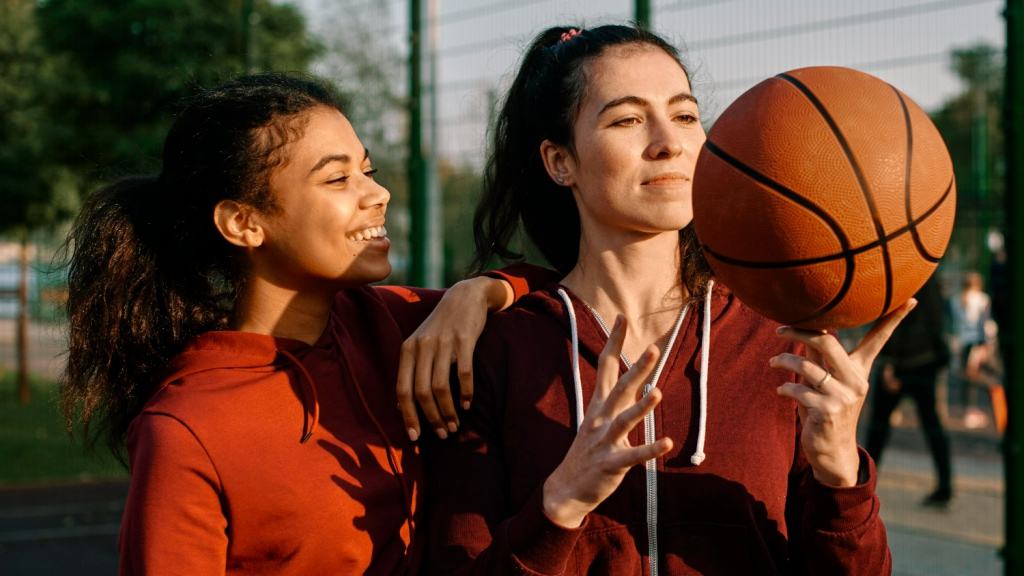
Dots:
pixel 637 136
pixel 329 225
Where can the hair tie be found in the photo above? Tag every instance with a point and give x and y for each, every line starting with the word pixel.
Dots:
pixel 569 35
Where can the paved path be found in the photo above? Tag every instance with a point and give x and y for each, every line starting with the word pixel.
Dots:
pixel 60 529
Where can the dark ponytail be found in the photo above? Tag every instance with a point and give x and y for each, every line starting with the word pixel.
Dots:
pixel 542 104
pixel 148 270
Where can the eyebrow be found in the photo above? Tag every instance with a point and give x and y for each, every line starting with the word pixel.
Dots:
pixel 681 97
pixel 336 158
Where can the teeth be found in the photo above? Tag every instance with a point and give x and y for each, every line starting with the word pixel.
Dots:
pixel 370 234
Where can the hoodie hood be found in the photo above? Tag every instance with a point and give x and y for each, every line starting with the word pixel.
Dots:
pixel 229 349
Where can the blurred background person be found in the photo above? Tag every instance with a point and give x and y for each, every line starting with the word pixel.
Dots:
pixel 909 364
pixel 972 310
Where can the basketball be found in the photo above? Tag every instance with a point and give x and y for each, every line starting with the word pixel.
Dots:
pixel 824 198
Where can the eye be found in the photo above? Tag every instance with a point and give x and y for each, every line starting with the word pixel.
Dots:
pixel 687 118
pixel 338 180
pixel 630 121
pixel 370 173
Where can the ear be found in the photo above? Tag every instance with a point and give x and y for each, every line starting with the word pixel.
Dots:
pixel 559 163
pixel 238 224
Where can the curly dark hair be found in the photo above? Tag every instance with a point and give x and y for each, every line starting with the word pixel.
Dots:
pixel 148 270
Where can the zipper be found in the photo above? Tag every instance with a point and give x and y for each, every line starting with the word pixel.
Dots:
pixel 650 466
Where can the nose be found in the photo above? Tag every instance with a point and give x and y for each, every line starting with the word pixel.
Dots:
pixel 665 140
pixel 376 195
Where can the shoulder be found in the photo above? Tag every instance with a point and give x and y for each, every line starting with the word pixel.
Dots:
pixel 161 440
pixel 529 320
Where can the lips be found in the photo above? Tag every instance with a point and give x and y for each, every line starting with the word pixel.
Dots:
pixel 667 179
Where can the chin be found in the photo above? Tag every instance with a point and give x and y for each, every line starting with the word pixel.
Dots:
pixel 362 275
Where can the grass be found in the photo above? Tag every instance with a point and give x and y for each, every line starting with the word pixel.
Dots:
pixel 34 446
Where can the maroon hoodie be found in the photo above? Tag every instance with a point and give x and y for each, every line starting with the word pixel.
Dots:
pixel 751 506
pixel 263 455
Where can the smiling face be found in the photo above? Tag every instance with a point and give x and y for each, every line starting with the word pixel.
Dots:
pixel 636 139
pixel 328 226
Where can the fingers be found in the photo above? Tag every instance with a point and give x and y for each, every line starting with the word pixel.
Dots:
pixel 827 346
pixel 628 386
pixel 880 333
pixel 814 376
pixel 629 457
pixel 804 395
pixel 464 364
pixel 406 402
pixel 608 364
pixel 629 418
pixel 423 389
pixel 440 384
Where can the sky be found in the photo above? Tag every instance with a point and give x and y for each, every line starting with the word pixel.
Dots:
pixel 728 45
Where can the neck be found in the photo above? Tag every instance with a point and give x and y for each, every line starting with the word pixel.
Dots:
pixel 637 276
pixel 266 308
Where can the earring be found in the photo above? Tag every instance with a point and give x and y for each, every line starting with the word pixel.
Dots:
pixel 560 179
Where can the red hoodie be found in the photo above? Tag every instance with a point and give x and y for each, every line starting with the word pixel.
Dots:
pixel 263 455
pixel 751 507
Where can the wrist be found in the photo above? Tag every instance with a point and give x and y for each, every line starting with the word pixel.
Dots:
pixel 497 293
pixel 558 508
pixel 843 471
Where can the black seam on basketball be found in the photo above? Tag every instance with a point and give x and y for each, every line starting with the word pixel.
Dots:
pixel 861 180
pixel 918 244
pixel 830 257
pixel 837 230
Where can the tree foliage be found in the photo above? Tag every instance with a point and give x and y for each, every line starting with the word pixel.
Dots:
pixel 974 113
pixel 33 188
pixel 125 65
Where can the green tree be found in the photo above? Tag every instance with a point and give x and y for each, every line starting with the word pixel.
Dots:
pixel 970 123
pixel 33 189
pixel 126 65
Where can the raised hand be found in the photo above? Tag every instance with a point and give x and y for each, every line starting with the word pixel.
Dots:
pixel 831 393
pixel 601 454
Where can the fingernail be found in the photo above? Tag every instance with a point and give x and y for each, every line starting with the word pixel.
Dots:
pixel 780 329
pixel 773 360
pixel 413 434
pixel 441 433
pixel 465 404
pixel 453 427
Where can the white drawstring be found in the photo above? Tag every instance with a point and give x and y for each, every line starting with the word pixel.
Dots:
pixel 577 382
pixel 698 456
pixel 705 351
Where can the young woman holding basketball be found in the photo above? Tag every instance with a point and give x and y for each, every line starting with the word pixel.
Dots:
pixel 748 442
pixel 222 326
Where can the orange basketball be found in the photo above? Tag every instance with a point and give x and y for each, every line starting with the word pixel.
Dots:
pixel 824 198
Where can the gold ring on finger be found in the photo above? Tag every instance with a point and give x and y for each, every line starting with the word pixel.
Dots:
pixel 820 385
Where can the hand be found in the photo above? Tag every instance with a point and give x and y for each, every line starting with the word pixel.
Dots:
pixel 447 336
pixel 831 393
pixel 601 454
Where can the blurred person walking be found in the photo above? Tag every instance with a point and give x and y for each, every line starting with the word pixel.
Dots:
pixel 972 312
pixel 909 364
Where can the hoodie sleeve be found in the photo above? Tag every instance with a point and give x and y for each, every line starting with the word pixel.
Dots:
pixel 173 521
pixel 836 530
pixel 411 306
pixel 472 530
